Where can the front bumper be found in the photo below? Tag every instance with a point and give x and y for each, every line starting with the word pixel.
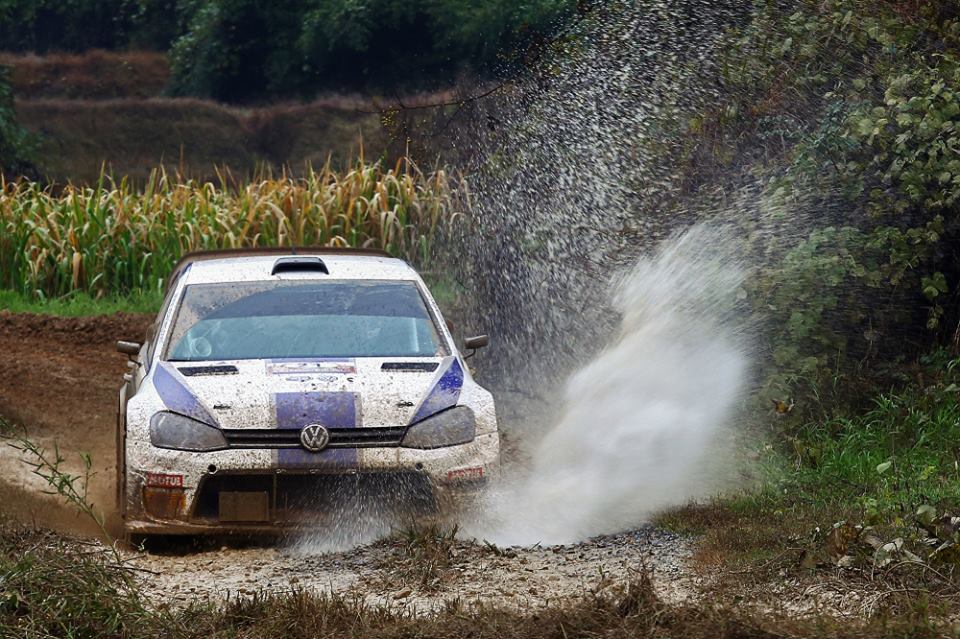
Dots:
pixel 252 492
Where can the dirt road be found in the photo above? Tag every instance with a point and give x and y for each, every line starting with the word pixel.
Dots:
pixel 58 379
pixel 385 573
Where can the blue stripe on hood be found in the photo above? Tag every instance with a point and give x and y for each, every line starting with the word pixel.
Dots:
pixel 330 409
pixel 445 391
pixel 177 396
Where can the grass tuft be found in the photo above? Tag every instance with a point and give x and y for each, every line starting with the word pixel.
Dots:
pixel 419 557
pixel 80 304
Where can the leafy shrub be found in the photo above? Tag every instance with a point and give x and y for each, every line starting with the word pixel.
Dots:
pixel 16 145
pixel 854 107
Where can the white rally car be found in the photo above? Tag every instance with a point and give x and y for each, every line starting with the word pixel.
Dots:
pixel 277 385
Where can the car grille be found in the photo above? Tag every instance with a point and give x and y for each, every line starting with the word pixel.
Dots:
pixel 381 437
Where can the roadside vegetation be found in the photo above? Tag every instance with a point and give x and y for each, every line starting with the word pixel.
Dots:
pixel 56 587
pixel 242 50
pixel 864 500
pixel 850 108
pixel 114 240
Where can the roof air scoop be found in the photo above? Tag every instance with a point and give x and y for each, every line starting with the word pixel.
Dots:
pixel 299 263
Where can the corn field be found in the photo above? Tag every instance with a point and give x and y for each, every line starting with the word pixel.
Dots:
pixel 112 238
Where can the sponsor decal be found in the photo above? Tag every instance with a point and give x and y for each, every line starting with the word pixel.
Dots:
pixel 314 379
pixel 336 366
pixel 164 480
pixel 465 474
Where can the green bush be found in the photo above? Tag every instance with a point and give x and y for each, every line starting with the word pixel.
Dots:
pixel 16 145
pixel 855 107
pixel 889 460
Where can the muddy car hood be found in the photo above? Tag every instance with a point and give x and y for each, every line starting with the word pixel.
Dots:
pixel 338 393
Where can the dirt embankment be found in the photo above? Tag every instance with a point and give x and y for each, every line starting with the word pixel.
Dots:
pixel 92 75
pixel 59 375
pixel 133 136
pixel 58 381
pixel 101 109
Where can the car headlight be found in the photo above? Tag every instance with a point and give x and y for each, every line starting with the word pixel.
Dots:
pixel 449 428
pixel 176 432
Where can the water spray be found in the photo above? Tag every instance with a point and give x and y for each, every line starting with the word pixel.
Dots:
pixel 642 422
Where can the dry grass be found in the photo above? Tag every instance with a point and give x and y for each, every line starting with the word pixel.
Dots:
pixel 56 587
pixel 94 74
pixel 745 538
pixel 418 558
pixel 754 549
pixel 131 137
pixel 114 238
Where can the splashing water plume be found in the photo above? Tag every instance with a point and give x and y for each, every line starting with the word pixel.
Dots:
pixel 578 168
pixel 641 421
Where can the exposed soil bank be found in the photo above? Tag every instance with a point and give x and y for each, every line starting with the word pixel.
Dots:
pixel 59 378
pixel 59 375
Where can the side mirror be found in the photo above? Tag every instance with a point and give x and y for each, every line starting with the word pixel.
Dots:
pixel 131 349
pixel 473 343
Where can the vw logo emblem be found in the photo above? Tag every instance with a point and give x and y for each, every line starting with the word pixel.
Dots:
pixel 314 437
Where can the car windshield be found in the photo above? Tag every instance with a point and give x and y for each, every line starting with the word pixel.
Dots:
pixel 297 319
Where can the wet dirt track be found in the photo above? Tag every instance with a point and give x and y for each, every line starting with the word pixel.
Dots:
pixel 58 381
pixel 527 577
pixel 59 378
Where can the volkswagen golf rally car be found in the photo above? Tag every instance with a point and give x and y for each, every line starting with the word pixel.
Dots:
pixel 274 383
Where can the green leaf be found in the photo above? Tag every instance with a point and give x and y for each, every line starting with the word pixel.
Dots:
pixel 934 285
